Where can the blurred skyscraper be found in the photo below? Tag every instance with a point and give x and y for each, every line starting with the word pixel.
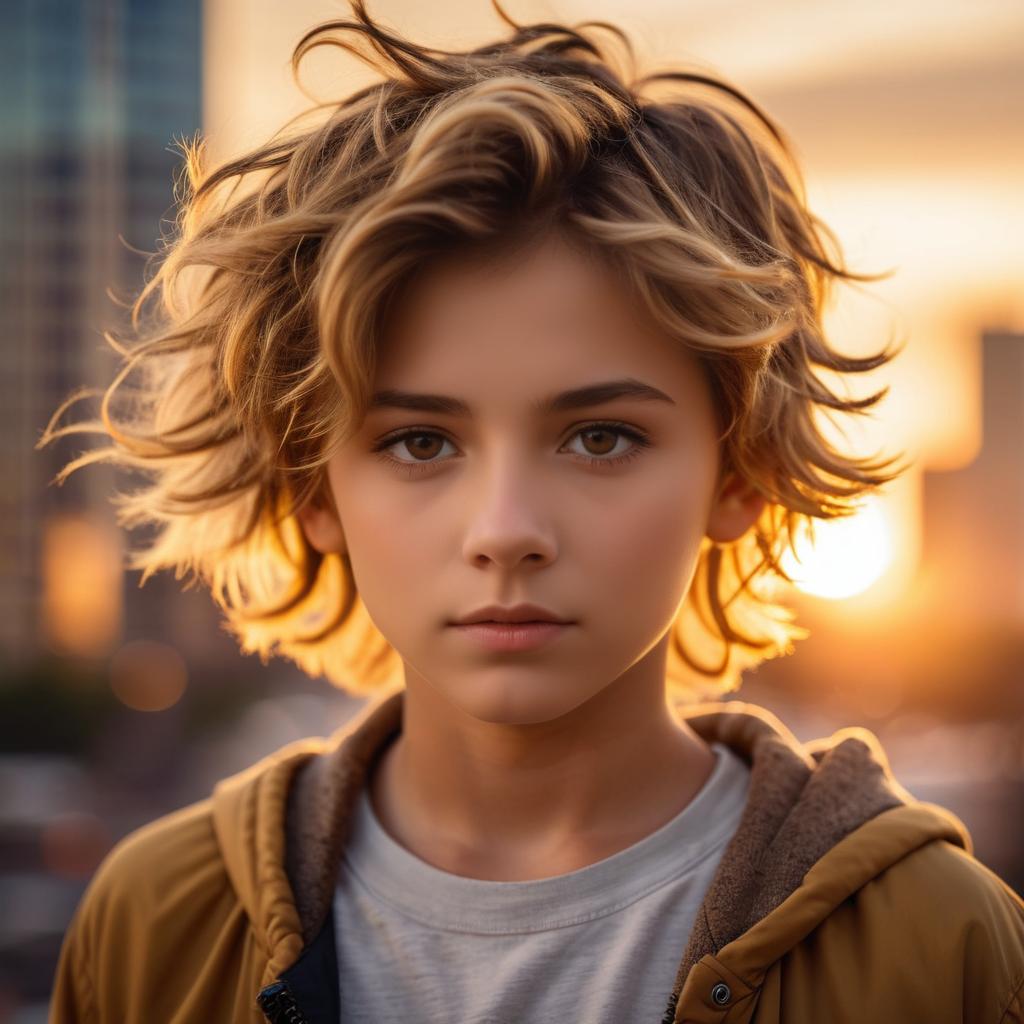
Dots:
pixel 93 94
pixel 974 516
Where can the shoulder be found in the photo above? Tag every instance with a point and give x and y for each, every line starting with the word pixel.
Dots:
pixel 166 877
pixel 193 860
pixel 162 892
pixel 956 914
pixel 955 883
pixel 931 935
pixel 173 860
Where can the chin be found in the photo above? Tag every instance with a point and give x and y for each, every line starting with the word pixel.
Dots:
pixel 515 701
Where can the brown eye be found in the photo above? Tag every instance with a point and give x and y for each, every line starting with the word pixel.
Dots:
pixel 422 444
pixel 601 439
pixel 609 437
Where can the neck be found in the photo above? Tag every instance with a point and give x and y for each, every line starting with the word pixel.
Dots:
pixel 510 803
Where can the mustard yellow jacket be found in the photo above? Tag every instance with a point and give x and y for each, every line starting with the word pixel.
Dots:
pixel 839 900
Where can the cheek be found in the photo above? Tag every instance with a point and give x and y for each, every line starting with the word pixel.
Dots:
pixel 657 524
pixel 391 542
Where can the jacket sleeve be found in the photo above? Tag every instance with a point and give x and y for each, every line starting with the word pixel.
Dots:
pixel 993 950
pixel 72 998
pixel 155 931
pixel 1015 1009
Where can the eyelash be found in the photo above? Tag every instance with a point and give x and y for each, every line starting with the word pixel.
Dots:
pixel 640 442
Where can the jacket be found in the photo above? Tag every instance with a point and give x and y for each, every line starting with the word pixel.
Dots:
pixel 840 897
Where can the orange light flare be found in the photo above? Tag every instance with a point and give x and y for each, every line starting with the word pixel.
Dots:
pixel 82 578
pixel 148 676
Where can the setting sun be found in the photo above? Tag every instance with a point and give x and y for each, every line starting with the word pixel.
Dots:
pixel 847 556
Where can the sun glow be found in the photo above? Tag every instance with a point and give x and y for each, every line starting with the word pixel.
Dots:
pixel 847 556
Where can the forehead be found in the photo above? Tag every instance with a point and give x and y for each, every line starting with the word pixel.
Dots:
pixel 525 323
pixel 547 285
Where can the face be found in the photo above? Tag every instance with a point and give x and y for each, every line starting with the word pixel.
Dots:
pixel 594 512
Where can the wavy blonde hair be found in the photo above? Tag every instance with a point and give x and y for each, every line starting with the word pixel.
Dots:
pixel 257 334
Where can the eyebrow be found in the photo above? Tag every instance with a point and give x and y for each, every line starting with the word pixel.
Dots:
pixel 576 398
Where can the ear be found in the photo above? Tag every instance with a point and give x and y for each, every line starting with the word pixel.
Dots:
pixel 321 524
pixel 735 509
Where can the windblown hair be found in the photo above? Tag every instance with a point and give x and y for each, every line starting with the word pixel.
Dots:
pixel 257 335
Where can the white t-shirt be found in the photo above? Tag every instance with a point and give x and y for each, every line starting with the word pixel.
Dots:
pixel 601 944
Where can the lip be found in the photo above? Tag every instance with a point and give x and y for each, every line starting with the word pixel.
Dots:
pixel 516 613
pixel 512 636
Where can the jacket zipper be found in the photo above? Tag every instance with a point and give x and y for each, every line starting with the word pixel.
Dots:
pixel 279 1006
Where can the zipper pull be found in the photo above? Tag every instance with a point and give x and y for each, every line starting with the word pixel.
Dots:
pixel 278 1004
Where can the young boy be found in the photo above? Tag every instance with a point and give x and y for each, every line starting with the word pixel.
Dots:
pixel 497 403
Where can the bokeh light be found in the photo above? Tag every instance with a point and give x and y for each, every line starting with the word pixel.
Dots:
pixel 82 585
pixel 148 676
pixel 73 844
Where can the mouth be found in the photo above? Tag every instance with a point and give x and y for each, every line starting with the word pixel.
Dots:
pixel 512 636
pixel 509 622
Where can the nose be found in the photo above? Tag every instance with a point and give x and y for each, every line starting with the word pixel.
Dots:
pixel 508 518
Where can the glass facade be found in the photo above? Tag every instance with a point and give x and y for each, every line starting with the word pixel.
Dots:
pixel 96 92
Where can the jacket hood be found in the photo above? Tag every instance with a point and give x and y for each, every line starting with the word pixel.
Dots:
pixel 822 819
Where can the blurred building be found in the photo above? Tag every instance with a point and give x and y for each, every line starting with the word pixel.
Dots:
pixel 92 95
pixel 939 674
pixel 974 517
pixel 94 92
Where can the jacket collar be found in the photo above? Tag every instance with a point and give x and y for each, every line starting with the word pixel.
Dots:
pixel 284 822
pixel 834 785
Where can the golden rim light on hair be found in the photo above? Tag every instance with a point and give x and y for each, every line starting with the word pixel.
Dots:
pixel 267 306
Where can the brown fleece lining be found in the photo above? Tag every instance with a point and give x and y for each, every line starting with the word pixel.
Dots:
pixel 803 799
pixel 323 794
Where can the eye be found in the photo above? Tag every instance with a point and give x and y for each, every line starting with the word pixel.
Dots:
pixel 603 431
pixel 616 432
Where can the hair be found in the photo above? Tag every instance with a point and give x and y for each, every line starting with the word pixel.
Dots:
pixel 256 337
